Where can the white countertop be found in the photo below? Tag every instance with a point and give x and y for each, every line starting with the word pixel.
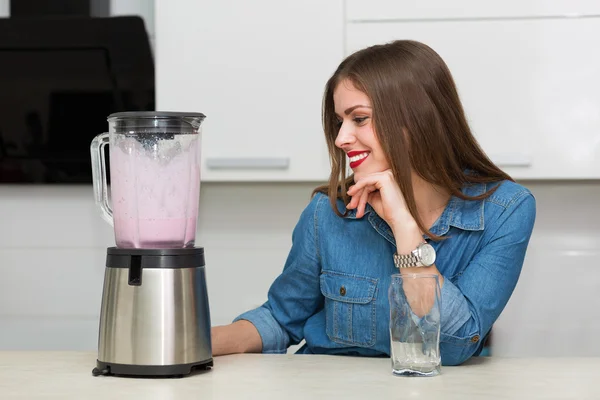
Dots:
pixel 67 375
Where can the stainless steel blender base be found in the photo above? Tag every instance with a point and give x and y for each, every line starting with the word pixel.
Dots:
pixel 162 371
pixel 154 318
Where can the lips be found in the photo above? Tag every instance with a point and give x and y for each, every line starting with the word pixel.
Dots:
pixel 357 157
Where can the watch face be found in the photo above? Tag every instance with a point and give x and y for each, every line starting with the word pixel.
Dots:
pixel 427 253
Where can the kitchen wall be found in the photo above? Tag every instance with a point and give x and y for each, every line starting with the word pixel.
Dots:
pixel 53 243
pixel 142 8
pixel 53 240
pixel 4 8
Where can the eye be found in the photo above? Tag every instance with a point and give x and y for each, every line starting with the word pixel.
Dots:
pixel 360 120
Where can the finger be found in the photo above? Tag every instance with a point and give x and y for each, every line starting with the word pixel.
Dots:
pixel 364 199
pixel 352 190
pixel 360 211
pixel 377 180
pixel 354 200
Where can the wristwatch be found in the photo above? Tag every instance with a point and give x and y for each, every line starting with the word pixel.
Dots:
pixel 422 256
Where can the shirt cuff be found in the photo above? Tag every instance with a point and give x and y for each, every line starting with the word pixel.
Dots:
pixel 274 339
pixel 455 309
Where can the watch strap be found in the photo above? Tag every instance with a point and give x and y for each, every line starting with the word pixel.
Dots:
pixel 406 261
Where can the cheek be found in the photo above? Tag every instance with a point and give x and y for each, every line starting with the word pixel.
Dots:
pixel 367 136
pixel 376 148
pixel 382 163
pixel 381 159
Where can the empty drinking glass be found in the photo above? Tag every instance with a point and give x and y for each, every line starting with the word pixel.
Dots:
pixel 415 324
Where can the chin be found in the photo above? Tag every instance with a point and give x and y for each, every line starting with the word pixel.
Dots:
pixel 356 176
pixel 360 174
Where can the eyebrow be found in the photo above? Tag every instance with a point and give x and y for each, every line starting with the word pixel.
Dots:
pixel 349 110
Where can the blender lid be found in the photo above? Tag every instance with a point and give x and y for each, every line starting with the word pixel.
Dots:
pixel 156 114
pixel 155 122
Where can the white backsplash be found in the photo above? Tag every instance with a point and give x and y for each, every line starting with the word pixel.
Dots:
pixel 53 241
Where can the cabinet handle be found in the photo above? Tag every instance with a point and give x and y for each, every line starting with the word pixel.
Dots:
pixel 511 160
pixel 248 163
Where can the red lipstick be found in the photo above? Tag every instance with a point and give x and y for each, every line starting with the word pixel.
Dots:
pixel 359 157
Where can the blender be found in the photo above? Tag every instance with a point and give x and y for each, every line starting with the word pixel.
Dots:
pixel 154 317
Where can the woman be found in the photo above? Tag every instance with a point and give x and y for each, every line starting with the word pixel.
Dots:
pixel 419 176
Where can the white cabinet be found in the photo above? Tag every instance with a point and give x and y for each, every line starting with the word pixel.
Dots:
pixel 529 85
pixel 386 10
pixel 526 72
pixel 257 69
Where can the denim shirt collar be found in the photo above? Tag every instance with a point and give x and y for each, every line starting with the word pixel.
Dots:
pixel 463 214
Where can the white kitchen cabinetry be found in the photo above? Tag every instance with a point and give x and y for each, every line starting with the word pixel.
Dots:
pixel 257 69
pixel 528 81
pixel 389 10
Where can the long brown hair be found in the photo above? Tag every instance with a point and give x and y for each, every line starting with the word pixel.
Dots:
pixel 418 119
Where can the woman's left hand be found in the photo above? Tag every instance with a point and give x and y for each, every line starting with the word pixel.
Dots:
pixel 382 192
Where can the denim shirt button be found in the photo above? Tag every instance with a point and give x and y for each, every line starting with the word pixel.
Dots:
pixel 475 339
pixel 342 291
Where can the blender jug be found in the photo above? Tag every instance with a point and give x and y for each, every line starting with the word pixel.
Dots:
pixel 155 178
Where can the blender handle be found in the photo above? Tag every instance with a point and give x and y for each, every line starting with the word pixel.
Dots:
pixel 99 176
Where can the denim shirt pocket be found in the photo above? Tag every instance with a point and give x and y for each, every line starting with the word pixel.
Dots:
pixel 350 308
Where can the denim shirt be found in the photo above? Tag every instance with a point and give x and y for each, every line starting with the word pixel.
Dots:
pixel 480 260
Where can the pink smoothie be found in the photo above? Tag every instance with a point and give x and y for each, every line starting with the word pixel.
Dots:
pixel 155 192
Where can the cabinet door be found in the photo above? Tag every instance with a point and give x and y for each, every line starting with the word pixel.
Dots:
pixel 402 10
pixel 530 87
pixel 257 69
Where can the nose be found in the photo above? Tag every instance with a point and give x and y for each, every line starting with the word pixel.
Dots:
pixel 345 137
